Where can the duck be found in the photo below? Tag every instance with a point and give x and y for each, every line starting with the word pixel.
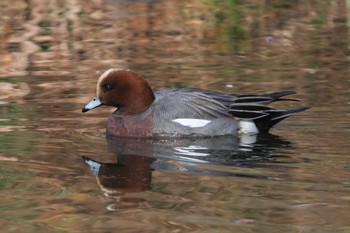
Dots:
pixel 183 112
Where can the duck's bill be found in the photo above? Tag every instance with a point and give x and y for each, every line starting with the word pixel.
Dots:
pixel 94 103
pixel 94 165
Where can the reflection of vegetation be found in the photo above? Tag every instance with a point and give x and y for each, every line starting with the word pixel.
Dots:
pixel 44 46
pixel 181 84
pixel 44 27
pixel 69 26
pixel 6 178
pixel 44 23
pixel 19 142
pixel 318 21
pixel 219 15
pixel 44 30
pixel 8 111
pixel 235 30
pixel 281 3
pixel 8 80
pixel 83 15
pixel 227 16
pixel 14 184
pixel 61 192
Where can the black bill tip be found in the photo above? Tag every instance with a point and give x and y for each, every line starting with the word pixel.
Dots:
pixel 85 109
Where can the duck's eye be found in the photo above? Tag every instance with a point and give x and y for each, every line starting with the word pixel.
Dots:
pixel 108 87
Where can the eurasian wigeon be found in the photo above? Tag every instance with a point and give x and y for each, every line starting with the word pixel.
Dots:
pixel 181 112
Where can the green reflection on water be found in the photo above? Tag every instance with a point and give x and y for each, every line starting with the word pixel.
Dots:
pixel 228 17
pixel 19 142
pixel 235 30
pixel 8 113
pixel 44 46
pixel 6 178
pixel 61 192
pixel 8 79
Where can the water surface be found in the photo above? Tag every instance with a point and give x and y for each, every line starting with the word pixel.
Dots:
pixel 295 180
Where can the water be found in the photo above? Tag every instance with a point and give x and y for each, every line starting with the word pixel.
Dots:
pixel 295 180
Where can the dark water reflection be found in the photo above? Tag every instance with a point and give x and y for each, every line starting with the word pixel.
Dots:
pixel 51 52
pixel 220 150
pixel 136 158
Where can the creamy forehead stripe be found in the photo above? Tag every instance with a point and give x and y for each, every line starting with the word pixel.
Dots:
pixel 103 76
pixel 190 122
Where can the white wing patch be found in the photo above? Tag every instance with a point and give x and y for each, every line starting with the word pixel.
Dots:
pixel 193 123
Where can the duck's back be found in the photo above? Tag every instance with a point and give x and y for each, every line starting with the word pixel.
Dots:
pixel 190 112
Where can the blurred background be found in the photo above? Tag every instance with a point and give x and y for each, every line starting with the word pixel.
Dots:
pixel 53 51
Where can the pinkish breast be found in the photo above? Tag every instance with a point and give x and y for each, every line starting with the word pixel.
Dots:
pixel 130 126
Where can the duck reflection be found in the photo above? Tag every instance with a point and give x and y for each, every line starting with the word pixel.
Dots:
pixel 130 174
pixel 194 151
pixel 137 158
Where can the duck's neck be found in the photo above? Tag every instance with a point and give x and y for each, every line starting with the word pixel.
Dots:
pixel 138 101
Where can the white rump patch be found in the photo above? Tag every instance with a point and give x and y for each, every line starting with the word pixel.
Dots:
pixel 245 140
pixel 190 122
pixel 247 127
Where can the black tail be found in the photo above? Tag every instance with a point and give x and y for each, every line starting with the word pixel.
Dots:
pixel 252 107
pixel 266 98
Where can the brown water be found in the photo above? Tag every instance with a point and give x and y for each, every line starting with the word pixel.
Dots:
pixel 296 180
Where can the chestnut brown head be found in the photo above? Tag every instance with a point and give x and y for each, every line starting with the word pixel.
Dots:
pixel 124 89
